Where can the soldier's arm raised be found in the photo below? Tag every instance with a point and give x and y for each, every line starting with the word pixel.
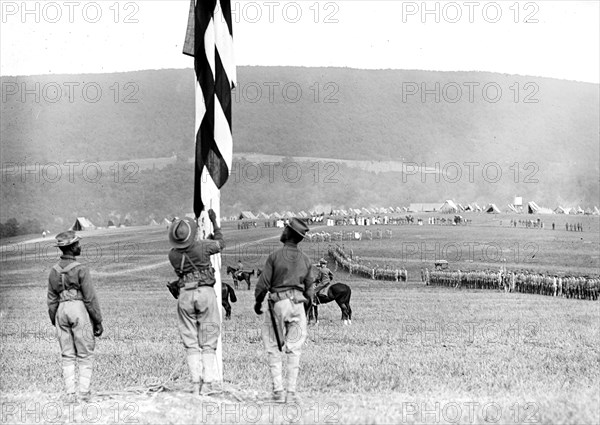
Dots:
pixel 219 244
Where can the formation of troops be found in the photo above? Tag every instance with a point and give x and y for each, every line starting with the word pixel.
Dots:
pixel 574 227
pixel 352 266
pixel 528 224
pixel 442 221
pixel 525 281
pixel 349 236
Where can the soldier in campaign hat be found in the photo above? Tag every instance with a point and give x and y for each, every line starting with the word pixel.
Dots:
pixel 197 308
pixel 288 281
pixel 74 310
pixel 324 277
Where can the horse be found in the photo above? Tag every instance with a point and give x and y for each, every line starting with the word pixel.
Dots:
pixel 338 292
pixel 240 276
pixel 227 294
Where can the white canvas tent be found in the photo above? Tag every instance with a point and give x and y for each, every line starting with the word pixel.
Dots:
pixel 492 209
pixel 533 208
pixel 82 223
pixel 512 208
pixel 449 207
pixel 246 215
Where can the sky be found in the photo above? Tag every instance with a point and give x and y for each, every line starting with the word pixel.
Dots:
pixel 557 39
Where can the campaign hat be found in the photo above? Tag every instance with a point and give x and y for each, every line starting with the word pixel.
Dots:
pixel 182 232
pixel 298 226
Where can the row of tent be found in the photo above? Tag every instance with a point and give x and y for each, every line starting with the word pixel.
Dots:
pixel 83 223
pixel 248 215
pixel 449 206
pixel 532 207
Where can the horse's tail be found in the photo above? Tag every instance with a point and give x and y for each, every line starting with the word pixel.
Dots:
pixel 232 296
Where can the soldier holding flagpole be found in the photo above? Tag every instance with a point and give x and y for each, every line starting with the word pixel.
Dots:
pixel 209 40
pixel 198 312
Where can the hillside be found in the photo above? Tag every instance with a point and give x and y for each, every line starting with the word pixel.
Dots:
pixel 546 150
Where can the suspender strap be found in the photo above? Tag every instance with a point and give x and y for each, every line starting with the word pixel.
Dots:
pixel 184 257
pixel 193 265
pixel 63 271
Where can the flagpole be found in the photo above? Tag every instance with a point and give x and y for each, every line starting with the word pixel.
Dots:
pixel 209 36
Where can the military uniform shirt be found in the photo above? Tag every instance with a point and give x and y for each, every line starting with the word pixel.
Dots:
pixel 198 253
pixel 286 268
pixel 78 278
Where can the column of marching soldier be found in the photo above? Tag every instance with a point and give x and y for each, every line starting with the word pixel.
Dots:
pixel 525 281
pixel 342 260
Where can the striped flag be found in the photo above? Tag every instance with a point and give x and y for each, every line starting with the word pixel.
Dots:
pixel 209 39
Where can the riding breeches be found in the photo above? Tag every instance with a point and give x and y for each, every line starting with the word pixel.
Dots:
pixel 292 317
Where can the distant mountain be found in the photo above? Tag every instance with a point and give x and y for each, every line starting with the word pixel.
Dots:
pixel 541 134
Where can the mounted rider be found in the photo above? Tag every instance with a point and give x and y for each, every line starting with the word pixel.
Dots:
pixel 324 278
pixel 239 270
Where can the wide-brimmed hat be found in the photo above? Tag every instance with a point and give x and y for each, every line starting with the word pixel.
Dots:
pixel 66 238
pixel 182 232
pixel 322 261
pixel 298 226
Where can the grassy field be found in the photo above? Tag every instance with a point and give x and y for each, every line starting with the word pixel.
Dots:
pixel 413 354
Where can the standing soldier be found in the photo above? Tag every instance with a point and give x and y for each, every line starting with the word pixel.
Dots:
pixel 75 312
pixel 197 308
pixel 288 280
